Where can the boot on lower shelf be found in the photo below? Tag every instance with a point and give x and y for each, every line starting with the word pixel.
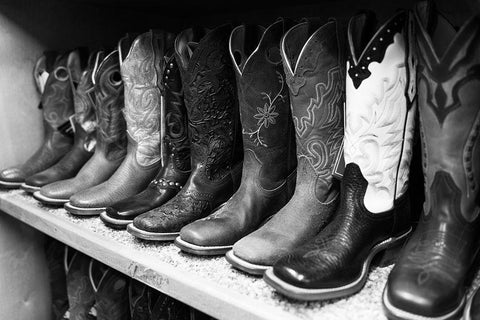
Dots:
pixel 141 71
pixel 268 175
pixel 57 104
pixel 111 139
pixel 176 166
pixel 83 125
pixel 374 210
pixel 436 266
pixel 214 131
pixel 310 53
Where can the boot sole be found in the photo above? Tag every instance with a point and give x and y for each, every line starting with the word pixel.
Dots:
pixel 395 313
pixel 10 185
pixel 201 250
pixel 77 211
pixel 30 189
pixel 151 236
pixel 468 307
pixel 245 266
pixel 47 200
pixel 114 223
pixel 305 294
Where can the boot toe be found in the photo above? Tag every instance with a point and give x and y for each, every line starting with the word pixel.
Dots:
pixel 208 233
pixel 147 222
pixel 12 175
pixel 57 190
pixel 262 250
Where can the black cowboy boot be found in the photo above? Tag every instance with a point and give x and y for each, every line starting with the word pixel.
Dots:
pixel 214 130
pixel 316 95
pixel 84 124
pixel 142 300
pixel 268 175
pixel 141 72
pixel 176 167
pixel 430 279
pixel 374 211
pixel 57 104
pixel 111 139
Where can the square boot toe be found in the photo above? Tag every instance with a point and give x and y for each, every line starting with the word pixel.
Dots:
pixel 208 233
pixel 264 250
pixel 12 175
pixel 422 294
pixel 57 190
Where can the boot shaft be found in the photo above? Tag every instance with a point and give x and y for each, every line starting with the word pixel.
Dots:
pixel 313 67
pixel 448 98
pixel 142 71
pixel 379 118
pixel 263 101
pixel 111 126
pixel 211 99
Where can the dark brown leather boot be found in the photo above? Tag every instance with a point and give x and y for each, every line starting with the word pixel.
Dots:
pixel 431 277
pixel 374 211
pixel 141 72
pixel 214 130
pixel 176 167
pixel 316 94
pixel 111 139
pixel 83 123
pixel 268 175
pixel 57 103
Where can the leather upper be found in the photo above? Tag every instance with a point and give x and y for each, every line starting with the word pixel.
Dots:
pixel 213 128
pixel 310 53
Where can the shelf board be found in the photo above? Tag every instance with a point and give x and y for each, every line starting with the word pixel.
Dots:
pixel 207 284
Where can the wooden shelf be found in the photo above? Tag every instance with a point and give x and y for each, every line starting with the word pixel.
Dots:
pixel 207 284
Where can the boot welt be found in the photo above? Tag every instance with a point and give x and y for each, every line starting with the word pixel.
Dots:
pixel 152 236
pixel 82 211
pixel 245 266
pixel 10 185
pixel 30 189
pixel 395 313
pixel 468 307
pixel 201 250
pixel 114 223
pixel 50 201
pixel 305 294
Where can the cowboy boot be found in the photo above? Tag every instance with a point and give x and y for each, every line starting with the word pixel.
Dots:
pixel 111 292
pixel 106 98
pixel 81 295
pixel 214 130
pixel 374 211
pixel 57 104
pixel 434 270
pixel 83 124
pixel 176 167
pixel 316 95
pixel 55 252
pixel 268 175
pixel 141 72
pixel 142 299
pixel 42 69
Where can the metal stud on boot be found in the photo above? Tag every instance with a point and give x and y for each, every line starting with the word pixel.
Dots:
pixel 374 210
pixel 268 175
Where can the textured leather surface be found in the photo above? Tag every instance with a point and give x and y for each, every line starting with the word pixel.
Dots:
pixel 176 168
pixel 142 299
pixel 57 102
pixel 111 140
pixel 336 255
pixel 81 295
pixel 311 59
pixel 214 131
pixel 268 175
pixel 141 74
pixel 54 254
pixel 434 269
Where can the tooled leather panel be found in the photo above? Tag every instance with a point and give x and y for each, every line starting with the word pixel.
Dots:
pixel 57 98
pixel 376 114
pixel 176 121
pixel 109 95
pixel 448 97
pixel 80 291
pixel 212 107
pixel 141 300
pixel 335 256
pixel 316 93
pixel 143 98
pixel 112 297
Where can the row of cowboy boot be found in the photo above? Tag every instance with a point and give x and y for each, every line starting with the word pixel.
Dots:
pixel 214 131
pixel 57 105
pixel 436 266
pixel 176 165
pixel 105 97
